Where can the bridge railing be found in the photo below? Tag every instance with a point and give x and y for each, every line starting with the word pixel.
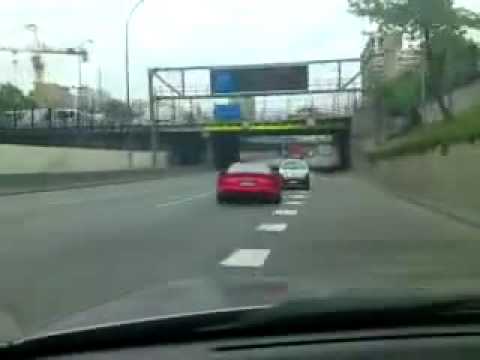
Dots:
pixel 42 119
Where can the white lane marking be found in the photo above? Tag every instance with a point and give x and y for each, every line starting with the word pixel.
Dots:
pixel 185 200
pixel 285 212
pixel 115 197
pixel 246 258
pixel 297 196
pixel 272 227
pixel 70 202
pixel 294 203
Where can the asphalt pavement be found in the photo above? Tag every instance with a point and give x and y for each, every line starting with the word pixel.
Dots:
pixel 111 253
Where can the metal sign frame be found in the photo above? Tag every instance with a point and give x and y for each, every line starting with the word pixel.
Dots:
pixel 181 92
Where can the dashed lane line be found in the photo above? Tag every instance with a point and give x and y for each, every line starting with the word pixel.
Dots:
pixel 297 196
pixel 285 212
pixel 294 203
pixel 276 227
pixel 243 258
pixel 185 200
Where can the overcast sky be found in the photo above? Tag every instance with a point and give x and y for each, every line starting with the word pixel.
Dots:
pixel 177 33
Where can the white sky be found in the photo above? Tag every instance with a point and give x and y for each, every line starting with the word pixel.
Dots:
pixel 177 33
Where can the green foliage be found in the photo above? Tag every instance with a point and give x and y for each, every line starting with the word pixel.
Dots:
pixel 414 16
pixel 116 110
pixel 438 23
pixel 461 61
pixel 12 98
pixel 402 94
pixel 465 128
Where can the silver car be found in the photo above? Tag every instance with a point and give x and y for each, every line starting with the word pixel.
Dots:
pixel 295 174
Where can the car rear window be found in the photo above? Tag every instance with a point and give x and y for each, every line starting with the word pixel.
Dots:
pixel 249 168
pixel 294 165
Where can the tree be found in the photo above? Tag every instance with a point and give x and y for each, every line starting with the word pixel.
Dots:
pixel 432 21
pixel 12 98
pixel 116 111
pixel 402 95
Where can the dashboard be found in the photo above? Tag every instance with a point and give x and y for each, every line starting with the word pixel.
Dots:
pixel 459 342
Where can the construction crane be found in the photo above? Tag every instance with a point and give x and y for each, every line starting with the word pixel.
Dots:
pixel 38 49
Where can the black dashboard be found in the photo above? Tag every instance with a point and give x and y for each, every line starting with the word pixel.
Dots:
pixel 456 342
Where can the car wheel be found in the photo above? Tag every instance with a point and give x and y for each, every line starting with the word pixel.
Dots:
pixel 278 200
pixel 307 186
pixel 221 199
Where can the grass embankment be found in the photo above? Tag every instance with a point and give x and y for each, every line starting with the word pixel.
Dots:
pixel 465 128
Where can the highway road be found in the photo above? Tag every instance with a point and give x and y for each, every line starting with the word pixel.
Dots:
pixel 68 258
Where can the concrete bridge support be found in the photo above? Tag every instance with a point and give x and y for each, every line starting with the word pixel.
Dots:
pixel 343 141
pixel 187 149
pixel 225 150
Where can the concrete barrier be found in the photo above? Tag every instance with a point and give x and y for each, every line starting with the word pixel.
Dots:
pixel 19 159
pixel 35 168
pixel 27 183
pixel 446 183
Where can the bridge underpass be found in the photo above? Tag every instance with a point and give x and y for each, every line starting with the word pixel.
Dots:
pixel 226 144
pixel 186 144
pixel 305 102
pixel 308 98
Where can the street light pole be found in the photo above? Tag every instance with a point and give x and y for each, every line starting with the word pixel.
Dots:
pixel 79 90
pixel 127 78
pixel 127 55
pixel 127 67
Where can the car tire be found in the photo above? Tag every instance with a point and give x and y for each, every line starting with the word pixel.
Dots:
pixel 307 186
pixel 221 200
pixel 278 200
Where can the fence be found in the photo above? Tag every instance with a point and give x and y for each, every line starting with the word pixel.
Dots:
pixel 46 118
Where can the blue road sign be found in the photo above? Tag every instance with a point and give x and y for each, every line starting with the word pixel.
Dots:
pixel 228 112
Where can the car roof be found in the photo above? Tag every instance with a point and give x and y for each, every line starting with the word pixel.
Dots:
pixel 256 168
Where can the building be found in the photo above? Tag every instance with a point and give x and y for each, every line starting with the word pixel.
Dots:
pixel 50 95
pixel 386 56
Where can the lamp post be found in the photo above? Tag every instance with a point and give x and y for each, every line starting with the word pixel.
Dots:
pixel 127 78
pixel 127 55
pixel 79 88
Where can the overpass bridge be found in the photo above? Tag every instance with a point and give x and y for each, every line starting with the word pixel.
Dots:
pixel 187 143
pixel 194 141
pixel 237 87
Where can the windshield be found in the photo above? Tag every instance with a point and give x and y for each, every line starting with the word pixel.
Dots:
pixel 121 122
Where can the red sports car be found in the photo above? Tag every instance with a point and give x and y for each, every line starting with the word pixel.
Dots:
pixel 249 181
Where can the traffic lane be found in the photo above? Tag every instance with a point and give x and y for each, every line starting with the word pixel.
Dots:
pixel 350 235
pixel 63 213
pixel 80 254
pixel 32 203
